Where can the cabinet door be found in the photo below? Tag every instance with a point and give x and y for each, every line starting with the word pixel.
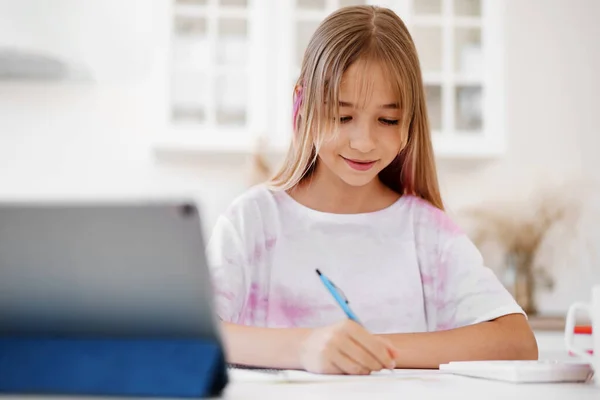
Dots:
pixel 459 43
pixel 218 69
pixel 460 48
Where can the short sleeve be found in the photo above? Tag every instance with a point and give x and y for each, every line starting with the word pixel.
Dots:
pixel 469 292
pixel 226 262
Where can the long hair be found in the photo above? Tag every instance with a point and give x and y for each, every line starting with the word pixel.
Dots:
pixel 348 35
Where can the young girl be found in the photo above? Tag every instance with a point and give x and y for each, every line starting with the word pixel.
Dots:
pixel 357 198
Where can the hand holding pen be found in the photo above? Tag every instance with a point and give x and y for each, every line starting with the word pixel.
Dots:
pixel 346 347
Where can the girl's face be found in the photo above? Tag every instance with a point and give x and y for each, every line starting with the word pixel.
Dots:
pixel 369 137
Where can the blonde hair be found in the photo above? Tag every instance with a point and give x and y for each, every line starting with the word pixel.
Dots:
pixel 351 34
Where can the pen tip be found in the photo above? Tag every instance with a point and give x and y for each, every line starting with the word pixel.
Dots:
pixel 318 272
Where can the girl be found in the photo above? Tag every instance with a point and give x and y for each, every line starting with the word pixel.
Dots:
pixel 358 198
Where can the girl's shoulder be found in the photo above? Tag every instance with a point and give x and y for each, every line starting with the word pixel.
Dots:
pixel 254 204
pixel 253 196
pixel 427 218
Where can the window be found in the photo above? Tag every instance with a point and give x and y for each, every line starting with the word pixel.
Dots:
pixel 217 65
pixel 234 63
pixel 460 48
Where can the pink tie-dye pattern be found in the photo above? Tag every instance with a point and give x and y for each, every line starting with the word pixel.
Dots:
pixel 449 286
pixel 270 243
pixel 281 308
pixel 446 306
pixel 446 310
pixel 440 283
pixel 445 325
pixel 427 279
pixel 287 309
pixel 260 250
pixel 444 223
pixel 435 280
pixel 439 217
pixel 256 301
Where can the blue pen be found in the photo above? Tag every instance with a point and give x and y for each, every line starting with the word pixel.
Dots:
pixel 339 297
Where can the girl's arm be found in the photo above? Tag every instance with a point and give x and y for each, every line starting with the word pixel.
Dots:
pixel 343 348
pixel 505 338
pixel 263 347
pixel 348 348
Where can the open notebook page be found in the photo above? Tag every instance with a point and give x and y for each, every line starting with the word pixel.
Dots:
pixel 291 376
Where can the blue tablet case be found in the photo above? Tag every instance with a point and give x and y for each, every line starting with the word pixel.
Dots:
pixel 140 367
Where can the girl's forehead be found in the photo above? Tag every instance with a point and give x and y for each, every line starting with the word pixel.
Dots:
pixel 367 83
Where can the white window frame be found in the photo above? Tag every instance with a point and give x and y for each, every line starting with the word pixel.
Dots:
pixel 208 137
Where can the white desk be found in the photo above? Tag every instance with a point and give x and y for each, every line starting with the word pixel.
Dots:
pixel 427 386
pixel 418 386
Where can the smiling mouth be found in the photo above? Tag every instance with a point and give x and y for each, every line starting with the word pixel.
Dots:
pixel 359 165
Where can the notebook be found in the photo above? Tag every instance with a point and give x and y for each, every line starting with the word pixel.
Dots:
pixel 522 371
pixel 253 374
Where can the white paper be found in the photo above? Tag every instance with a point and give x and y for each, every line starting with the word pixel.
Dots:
pixel 293 376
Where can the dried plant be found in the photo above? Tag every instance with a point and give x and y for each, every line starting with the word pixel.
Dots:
pixel 528 238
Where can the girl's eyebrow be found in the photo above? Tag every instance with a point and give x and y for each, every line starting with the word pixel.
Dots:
pixel 350 105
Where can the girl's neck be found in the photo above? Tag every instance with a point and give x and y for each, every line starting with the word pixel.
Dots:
pixel 326 192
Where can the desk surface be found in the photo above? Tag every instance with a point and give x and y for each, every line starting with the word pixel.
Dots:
pixel 424 387
pixel 417 386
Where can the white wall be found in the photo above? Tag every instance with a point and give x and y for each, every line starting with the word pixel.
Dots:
pixel 93 139
pixel 552 56
pixel 552 53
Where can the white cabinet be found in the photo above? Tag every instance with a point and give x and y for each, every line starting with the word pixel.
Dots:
pixel 233 64
pixel 218 66
pixel 460 47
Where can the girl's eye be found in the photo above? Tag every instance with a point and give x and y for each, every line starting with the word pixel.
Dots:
pixel 343 120
pixel 386 121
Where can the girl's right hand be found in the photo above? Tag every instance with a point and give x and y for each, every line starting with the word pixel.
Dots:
pixel 346 348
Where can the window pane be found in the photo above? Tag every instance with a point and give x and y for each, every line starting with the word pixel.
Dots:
pixel 467 8
pixel 304 31
pixel 428 7
pixel 428 41
pixel 469 108
pixel 234 3
pixel 231 99
pixel 310 4
pixel 468 52
pixel 232 41
pixel 188 88
pixel 192 2
pixel 347 3
pixel 188 92
pixel 187 114
pixel 190 26
pixel 433 95
pixel 190 44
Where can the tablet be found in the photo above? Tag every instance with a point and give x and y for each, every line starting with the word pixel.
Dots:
pixel 114 268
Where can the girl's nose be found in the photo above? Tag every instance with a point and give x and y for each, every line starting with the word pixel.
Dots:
pixel 361 138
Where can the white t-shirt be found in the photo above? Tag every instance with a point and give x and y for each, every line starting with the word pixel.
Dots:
pixel 406 268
